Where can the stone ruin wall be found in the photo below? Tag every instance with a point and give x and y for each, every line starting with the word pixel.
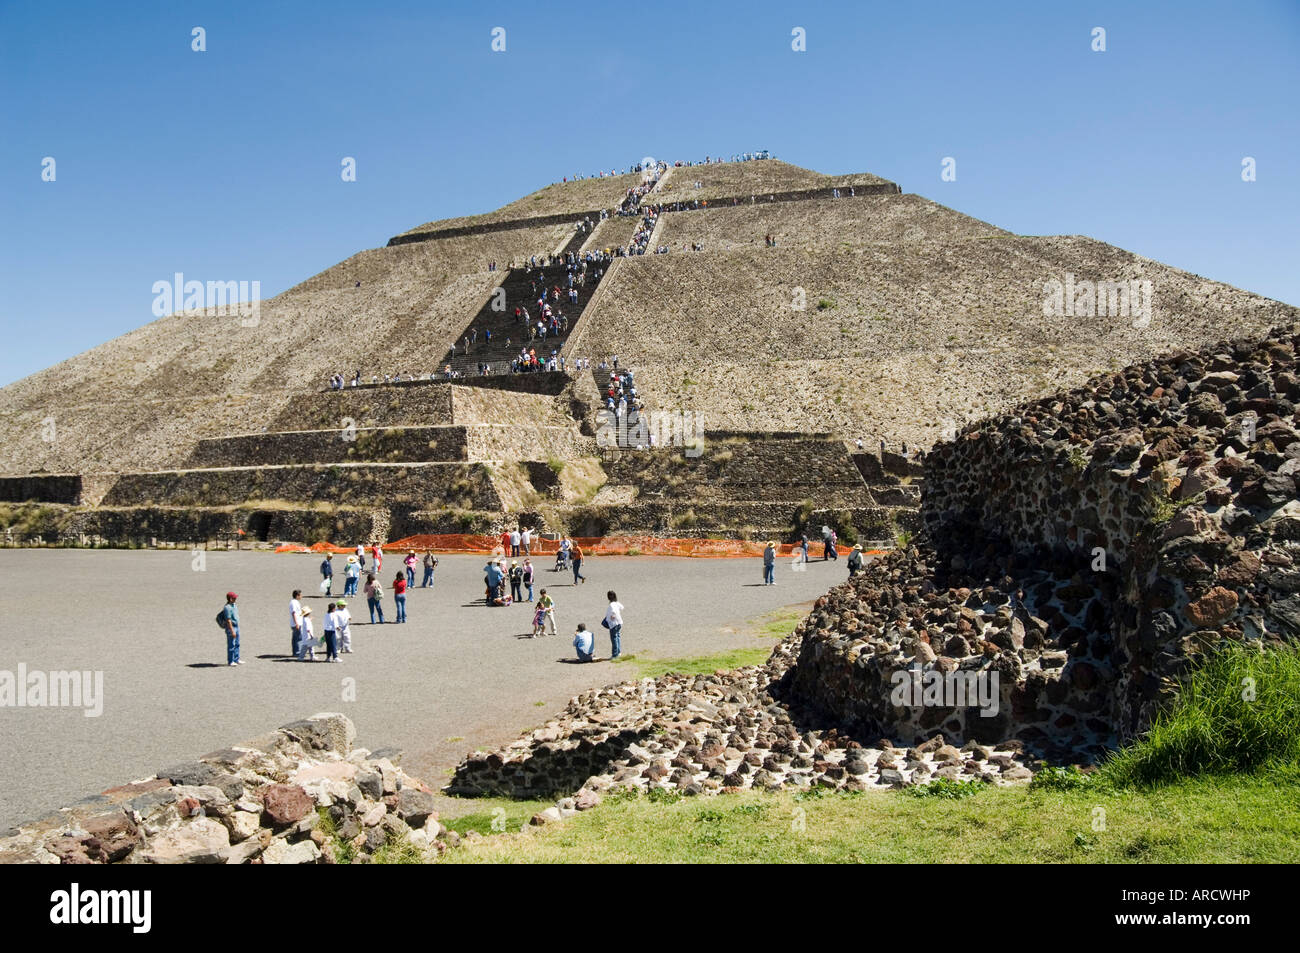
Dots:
pixel 1146 516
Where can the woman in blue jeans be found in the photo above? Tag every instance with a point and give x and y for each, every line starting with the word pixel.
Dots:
pixel 399 595
pixel 374 598
pixel 614 622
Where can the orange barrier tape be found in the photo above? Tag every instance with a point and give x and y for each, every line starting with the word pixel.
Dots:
pixel 595 545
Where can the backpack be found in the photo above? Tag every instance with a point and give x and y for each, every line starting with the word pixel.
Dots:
pixel 221 618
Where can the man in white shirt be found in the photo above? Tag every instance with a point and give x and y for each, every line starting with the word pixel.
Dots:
pixel 295 620
pixel 514 541
pixel 614 622
pixel 525 540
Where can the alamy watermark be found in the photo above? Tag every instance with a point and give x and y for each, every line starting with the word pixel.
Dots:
pixel 914 688
pixel 216 298
pixel 649 429
pixel 58 689
pixel 1131 298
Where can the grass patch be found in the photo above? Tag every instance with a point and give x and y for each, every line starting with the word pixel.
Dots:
pixel 493 815
pixel 649 667
pixel 1235 714
pixel 779 623
pixel 1205 820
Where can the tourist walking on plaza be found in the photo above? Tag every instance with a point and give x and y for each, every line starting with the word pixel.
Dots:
pixel 399 595
pixel 374 598
pixel 525 540
pixel 576 555
pixel 516 581
pixel 361 556
pixel 855 560
pixel 351 576
pixel 378 553
pixel 343 625
pixel 410 561
pixel 614 622
pixel 327 571
pixel 228 619
pixel 769 564
pixel 544 616
pixel 295 620
pixel 430 562
pixel 585 643
pixel 528 577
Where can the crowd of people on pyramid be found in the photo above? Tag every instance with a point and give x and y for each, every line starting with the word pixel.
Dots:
pixel 543 318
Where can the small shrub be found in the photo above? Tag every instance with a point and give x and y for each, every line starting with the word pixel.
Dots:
pixel 1056 778
pixel 946 788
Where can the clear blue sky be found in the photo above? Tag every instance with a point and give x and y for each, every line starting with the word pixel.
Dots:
pixel 225 164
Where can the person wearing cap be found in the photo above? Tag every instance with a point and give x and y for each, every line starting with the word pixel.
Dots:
pixel 430 563
pixel 343 626
pixel 409 562
pixel 769 563
pixel 855 560
pixel 229 617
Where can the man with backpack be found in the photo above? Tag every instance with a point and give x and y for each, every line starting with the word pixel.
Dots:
pixel 855 560
pixel 228 619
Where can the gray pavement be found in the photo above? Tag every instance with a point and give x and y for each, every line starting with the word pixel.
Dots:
pixel 456 677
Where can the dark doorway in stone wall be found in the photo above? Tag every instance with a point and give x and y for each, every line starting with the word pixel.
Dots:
pixel 259 526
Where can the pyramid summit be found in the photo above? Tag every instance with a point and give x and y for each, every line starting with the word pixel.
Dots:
pixel 781 314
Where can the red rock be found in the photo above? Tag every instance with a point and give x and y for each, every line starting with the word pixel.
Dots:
pixel 286 804
pixel 1212 608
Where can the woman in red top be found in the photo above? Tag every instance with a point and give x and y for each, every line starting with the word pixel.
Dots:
pixel 399 595
pixel 505 543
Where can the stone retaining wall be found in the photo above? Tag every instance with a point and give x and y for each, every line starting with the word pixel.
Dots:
pixel 452 484
pixel 1145 518
pixel 444 444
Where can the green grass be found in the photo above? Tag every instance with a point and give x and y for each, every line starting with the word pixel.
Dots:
pixel 649 667
pixel 1236 713
pixel 1205 820
pixel 779 623
pixel 1215 780
pixel 508 814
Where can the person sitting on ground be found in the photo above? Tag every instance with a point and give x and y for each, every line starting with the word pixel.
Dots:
pixel 585 643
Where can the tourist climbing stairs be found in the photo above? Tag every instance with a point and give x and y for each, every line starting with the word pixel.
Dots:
pixel 496 335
